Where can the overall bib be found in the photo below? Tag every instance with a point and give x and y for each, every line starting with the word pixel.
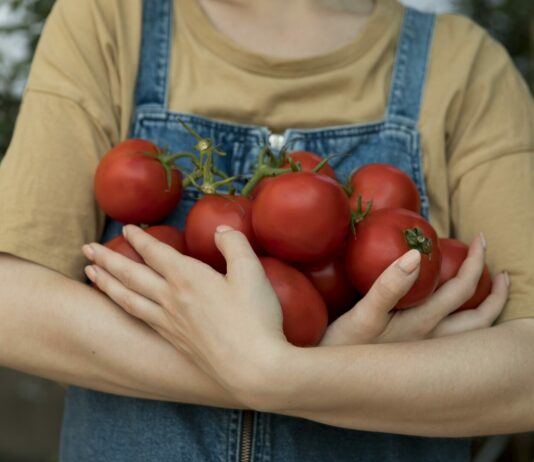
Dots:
pixel 99 427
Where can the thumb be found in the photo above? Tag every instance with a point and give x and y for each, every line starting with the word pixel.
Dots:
pixel 368 319
pixel 393 284
pixel 237 251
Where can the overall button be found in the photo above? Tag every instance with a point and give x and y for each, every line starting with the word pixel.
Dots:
pixel 276 141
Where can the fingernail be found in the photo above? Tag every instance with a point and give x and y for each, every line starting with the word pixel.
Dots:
pixel 483 241
pixel 125 232
pixel 223 228
pixel 91 273
pixel 507 278
pixel 89 252
pixel 410 261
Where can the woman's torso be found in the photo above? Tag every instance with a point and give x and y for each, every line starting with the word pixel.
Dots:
pixel 103 427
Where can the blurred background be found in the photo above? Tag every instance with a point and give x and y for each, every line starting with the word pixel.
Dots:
pixel 30 408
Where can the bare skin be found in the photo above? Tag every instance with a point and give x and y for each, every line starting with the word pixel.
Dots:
pixel 76 335
pixel 267 27
pixel 451 386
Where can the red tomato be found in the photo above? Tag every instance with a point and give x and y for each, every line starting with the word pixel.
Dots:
pixel 301 217
pixel 453 254
pixel 167 234
pixel 308 161
pixel 132 187
pixel 380 240
pixel 304 311
pixel 386 186
pixel 330 279
pixel 206 215
pixel 262 184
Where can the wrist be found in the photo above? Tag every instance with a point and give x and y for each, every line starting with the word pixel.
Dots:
pixel 267 382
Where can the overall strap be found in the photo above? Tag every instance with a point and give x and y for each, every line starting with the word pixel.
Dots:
pixel 152 76
pixel 409 75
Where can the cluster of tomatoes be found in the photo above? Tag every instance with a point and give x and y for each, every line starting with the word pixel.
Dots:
pixel 322 244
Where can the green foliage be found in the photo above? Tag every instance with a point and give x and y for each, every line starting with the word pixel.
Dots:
pixel 511 22
pixel 29 16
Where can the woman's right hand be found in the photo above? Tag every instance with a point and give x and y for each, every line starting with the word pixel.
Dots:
pixel 373 320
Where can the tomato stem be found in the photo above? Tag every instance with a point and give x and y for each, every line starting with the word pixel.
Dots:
pixel 417 240
pixel 321 164
pixel 262 172
pixel 295 166
pixel 360 214
pixel 204 165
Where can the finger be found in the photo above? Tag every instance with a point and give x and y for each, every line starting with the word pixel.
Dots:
pixel 161 257
pixel 134 276
pixel 481 317
pixel 241 260
pixel 455 292
pixel 136 305
pixel 370 316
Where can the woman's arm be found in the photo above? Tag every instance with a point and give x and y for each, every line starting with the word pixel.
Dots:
pixel 60 329
pixel 476 383
pixel 465 384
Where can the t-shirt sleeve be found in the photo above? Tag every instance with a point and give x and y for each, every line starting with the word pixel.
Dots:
pixel 491 171
pixel 69 118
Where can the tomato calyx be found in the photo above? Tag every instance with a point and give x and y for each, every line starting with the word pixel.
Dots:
pixel 416 239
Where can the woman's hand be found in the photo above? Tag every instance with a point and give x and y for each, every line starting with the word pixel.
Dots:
pixel 373 321
pixel 230 326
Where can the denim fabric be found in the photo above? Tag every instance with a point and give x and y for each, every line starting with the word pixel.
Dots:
pixel 100 427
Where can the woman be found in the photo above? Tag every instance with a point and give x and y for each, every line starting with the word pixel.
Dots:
pixel 435 97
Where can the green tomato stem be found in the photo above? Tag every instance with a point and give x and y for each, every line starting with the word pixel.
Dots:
pixel 263 171
pixel 417 240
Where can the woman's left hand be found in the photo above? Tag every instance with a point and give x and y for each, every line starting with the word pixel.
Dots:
pixel 191 305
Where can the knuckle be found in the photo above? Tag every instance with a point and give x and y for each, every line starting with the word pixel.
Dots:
pixel 181 283
pixel 128 303
pixel 465 287
pixel 470 289
pixel 243 260
pixel 234 238
pixel 425 328
pixel 145 248
pixel 103 256
pixel 127 278
pixel 391 286
pixel 387 289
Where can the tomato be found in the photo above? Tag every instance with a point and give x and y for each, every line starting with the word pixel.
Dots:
pixel 386 186
pixel 305 316
pixel 381 238
pixel 131 183
pixel 330 278
pixel 308 161
pixel 453 254
pixel 301 217
pixel 167 234
pixel 206 215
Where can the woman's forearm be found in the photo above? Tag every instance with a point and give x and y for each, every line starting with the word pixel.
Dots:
pixel 476 383
pixel 63 330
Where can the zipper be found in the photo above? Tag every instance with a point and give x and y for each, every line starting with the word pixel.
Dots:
pixel 246 436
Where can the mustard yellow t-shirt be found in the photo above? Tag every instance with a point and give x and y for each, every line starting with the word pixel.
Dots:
pixel 476 122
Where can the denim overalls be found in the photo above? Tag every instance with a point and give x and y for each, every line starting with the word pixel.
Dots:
pixel 99 427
